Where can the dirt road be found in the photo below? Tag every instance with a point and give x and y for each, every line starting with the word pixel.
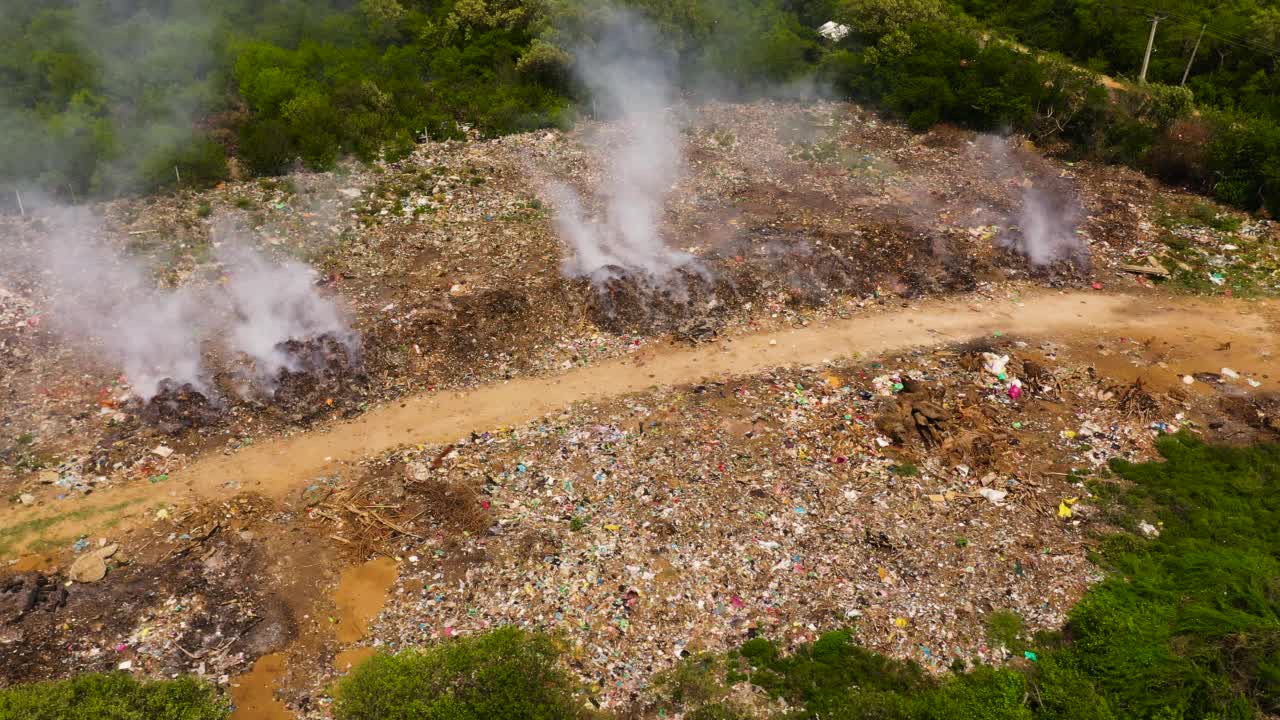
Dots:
pixel 278 467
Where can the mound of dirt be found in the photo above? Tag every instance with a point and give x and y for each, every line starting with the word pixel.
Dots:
pixel 318 375
pixel 1261 412
pixel 28 593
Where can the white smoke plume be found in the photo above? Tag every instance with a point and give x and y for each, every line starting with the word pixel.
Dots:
pixel 275 302
pixel 1048 214
pixel 156 334
pixel 632 83
pixel 150 333
pixel 1047 222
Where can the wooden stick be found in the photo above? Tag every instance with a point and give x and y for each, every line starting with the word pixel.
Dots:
pixel 394 526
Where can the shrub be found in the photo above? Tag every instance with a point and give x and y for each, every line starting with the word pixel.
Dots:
pixel 267 147
pixel 1245 160
pixel 984 694
pixel 822 676
pixel 507 673
pixel 113 697
pixel 1181 154
pixel 545 64
pixel 1189 625
pixel 906 469
pixel 716 711
pixel 695 681
pixel 1064 693
pixel 1164 105
pixel 1004 628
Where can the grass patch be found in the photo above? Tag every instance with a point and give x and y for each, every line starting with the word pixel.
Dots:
pixel 1248 268
pixel 1005 629
pixel 13 535
pixel 906 469
pixel 113 697
pixel 1190 623
pixel 507 673
pixel 1198 214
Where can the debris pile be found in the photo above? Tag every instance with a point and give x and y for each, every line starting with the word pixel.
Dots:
pixel 176 408
pixel 908 497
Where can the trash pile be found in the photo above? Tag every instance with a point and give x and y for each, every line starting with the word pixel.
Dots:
pixel 908 497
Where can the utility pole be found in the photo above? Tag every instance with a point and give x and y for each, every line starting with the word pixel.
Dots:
pixel 1187 72
pixel 1151 41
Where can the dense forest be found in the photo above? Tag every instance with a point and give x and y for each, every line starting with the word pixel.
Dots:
pixel 103 97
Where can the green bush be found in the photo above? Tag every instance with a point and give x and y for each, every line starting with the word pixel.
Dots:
pixel 507 673
pixel 984 694
pixel 1005 629
pixel 821 676
pixel 267 147
pixel 1189 625
pixel 113 697
pixel 1244 159
pixel 717 711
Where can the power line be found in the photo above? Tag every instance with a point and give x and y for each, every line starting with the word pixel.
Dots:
pixel 1236 40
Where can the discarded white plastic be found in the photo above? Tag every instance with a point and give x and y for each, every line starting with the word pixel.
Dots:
pixel 1228 372
pixel 1089 429
pixel 163 451
pixel 1148 529
pixel 833 31
pixel 1188 380
pixel 995 496
pixel 994 364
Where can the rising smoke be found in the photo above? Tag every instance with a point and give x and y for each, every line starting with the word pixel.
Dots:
pixel 1048 213
pixel 151 333
pixel 272 303
pixel 158 335
pixel 632 83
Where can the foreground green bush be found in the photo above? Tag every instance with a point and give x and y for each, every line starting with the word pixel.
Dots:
pixel 113 697
pixel 1188 625
pixel 507 674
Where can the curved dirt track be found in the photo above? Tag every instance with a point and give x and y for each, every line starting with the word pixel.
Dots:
pixel 278 466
